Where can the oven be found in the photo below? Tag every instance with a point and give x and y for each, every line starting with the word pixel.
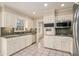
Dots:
pixel 49 29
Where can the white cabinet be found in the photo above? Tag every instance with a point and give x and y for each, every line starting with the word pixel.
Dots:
pixel 62 18
pixel 49 19
pixel 67 44
pixel 34 38
pixel 14 44
pixel 22 42
pixel 52 42
pixel 48 41
pixel 9 19
pixel 10 46
pixel 29 39
pixel 59 43
pixel 64 15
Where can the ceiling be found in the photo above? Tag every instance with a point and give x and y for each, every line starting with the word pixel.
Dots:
pixel 29 7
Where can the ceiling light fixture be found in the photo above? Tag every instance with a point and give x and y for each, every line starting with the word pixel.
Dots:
pixel 34 13
pixel 62 5
pixel 45 4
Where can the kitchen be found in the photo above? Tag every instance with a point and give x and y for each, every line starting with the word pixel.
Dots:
pixel 48 32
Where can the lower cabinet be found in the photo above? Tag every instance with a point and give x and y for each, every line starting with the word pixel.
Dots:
pixel 67 44
pixel 10 48
pixel 59 43
pixel 28 41
pixel 14 44
pixel 47 42
pixel 34 38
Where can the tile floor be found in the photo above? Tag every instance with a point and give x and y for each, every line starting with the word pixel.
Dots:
pixel 39 50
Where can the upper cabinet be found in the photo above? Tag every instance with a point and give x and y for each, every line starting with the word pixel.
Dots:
pixel 50 18
pixel 64 15
pixel 59 15
pixel 9 20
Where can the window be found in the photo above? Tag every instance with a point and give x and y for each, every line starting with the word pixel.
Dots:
pixel 20 24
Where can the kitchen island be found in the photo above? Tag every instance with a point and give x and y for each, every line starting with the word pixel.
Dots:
pixel 10 44
pixel 60 43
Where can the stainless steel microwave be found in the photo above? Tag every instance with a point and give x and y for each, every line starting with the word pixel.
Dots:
pixel 63 24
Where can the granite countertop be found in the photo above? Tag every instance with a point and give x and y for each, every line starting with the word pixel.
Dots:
pixel 16 35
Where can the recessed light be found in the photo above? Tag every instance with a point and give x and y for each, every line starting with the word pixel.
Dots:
pixel 34 13
pixel 45 4
pixel 62 5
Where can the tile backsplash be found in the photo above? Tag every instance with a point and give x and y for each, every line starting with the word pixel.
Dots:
pixel 64 31
pixel 10 31
pixel 6 31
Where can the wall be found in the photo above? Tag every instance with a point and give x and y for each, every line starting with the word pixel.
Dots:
pixel 30 23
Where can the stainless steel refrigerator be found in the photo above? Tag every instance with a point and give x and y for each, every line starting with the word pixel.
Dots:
pixel 76 30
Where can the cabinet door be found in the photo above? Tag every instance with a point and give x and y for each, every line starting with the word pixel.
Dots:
pixel 21 42
pixel 10 46
pixel 49 19
pixel 71 45
pixel 9 20
pixel 33 39
pixel 28 40
pixel 57 43
pixel 48 42
pixel 16 44
pixel 66 44
pixel 53 43
pixel 24 43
